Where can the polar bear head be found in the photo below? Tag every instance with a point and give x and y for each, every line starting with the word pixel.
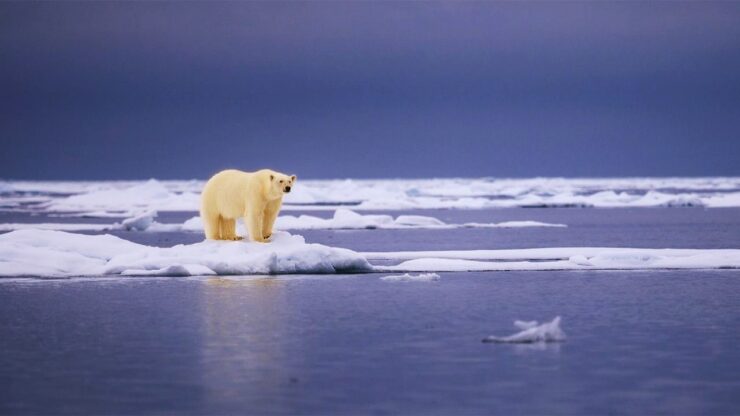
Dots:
pixel 280 183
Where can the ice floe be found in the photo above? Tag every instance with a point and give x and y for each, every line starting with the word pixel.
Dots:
pixel 562 258
pixel 346 219
pixel 48 253
pixel 343 219
pixel 55 253
pixel 144 221
pixel 406 277
pixel 532 332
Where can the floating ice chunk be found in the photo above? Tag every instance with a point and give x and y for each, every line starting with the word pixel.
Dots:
pixel 525 324
pixel 55 253
pixel 531 332
pixel 139 222
pixel 419 221
pixel 423 277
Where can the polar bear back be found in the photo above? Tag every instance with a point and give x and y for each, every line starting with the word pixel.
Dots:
pixel 230 192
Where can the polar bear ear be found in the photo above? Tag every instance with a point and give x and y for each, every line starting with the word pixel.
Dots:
pixel 292 178
pixel 272 177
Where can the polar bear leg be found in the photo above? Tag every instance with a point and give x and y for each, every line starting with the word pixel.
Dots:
pixel 211 225
pixel 228 228
pixel 253 221
pixel 271 213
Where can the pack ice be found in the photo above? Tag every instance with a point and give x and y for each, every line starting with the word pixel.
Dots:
pixel 126 198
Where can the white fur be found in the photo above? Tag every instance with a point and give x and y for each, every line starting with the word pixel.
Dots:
pixel 255 196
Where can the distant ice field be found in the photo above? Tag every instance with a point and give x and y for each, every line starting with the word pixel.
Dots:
pixel 123 198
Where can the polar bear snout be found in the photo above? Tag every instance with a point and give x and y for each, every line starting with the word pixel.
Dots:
pixel 287 189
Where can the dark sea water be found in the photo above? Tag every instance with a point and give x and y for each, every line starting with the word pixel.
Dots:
pixel 658 342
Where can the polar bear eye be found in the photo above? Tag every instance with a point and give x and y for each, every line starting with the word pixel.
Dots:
pixel 281 181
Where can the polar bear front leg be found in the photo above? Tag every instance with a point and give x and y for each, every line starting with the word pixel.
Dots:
pixel 271 212
pixel 253 221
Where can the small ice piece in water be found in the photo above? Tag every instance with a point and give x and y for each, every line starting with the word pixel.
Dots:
pixel 418 221
pixel 139 222
pixel 531 332
pixel 423 277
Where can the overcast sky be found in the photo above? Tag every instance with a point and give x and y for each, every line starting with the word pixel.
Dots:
pixel 130 90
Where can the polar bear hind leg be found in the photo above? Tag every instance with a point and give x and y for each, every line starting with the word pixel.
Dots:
pixel 228 229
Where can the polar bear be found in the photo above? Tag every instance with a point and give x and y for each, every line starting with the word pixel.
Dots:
pixel 255 196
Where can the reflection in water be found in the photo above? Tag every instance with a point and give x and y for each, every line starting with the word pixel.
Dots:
pixel 243 354
pixel 537 347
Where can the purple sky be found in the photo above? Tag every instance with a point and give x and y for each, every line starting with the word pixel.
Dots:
pixel 180 90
